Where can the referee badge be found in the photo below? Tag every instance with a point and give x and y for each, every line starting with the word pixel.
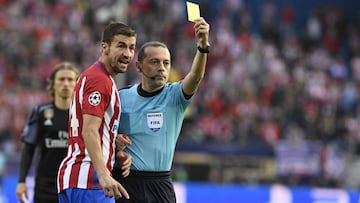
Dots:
pixel 155 121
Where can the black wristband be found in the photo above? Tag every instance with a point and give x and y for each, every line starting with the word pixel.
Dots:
pixel 205 50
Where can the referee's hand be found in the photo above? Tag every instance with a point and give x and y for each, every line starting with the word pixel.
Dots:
pixel 125 162
pixel 122 141
pixel 22 192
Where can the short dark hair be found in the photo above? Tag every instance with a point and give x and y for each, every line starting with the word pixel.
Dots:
pixel 61 66
pixel 116 28
pixel 141 54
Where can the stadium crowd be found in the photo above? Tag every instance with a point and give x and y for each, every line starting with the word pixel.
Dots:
pixel 272 80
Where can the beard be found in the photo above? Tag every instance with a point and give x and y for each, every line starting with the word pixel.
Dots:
pixel 119 66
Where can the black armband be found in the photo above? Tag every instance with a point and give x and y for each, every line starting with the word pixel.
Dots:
pixel 205 50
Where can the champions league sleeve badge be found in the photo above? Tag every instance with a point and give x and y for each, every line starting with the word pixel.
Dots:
pixel 95 98
pixel 155 121
pixel 48 114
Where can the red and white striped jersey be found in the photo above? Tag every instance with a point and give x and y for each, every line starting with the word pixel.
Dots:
pixel 96 94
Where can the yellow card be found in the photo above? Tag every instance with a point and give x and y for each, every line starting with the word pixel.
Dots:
pixel 193 11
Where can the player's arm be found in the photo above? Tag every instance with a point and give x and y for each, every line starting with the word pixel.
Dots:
pixel 193 78
pixel 92 143
pixel 25 164
pixel 29 137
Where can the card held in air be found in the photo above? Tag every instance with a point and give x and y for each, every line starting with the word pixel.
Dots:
pixel 193 11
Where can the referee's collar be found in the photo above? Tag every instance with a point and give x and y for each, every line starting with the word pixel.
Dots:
pixel 144 93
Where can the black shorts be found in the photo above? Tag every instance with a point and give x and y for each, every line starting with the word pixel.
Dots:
pixel 45 193
pixel 146 187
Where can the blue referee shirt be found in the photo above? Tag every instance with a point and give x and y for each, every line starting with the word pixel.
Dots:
pixel 153 123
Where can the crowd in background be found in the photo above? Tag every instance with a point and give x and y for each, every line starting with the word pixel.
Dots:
pixel 289 85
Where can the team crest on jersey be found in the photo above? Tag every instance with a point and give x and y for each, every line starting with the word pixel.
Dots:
pixel 155 121
pixel 95 98
pixel 48 114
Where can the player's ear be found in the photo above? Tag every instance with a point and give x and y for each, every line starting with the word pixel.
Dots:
pixel 104 48
pixel 138 66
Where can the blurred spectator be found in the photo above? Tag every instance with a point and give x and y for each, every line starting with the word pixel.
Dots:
pixel 3 161
pixel 274 67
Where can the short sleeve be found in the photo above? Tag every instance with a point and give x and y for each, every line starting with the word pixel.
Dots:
pixel 96 96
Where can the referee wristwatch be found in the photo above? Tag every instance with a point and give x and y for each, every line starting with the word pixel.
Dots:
pixel 205 50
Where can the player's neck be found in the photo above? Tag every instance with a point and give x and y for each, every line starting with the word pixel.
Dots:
pixel 106 65
pixel 62 103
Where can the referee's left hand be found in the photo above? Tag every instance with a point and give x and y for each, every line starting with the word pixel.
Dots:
pixel 202 29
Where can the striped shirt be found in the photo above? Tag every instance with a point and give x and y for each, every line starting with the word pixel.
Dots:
pixel 95 93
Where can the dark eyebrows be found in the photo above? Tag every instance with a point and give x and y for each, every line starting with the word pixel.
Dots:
pixel 121 43
pixel 159 60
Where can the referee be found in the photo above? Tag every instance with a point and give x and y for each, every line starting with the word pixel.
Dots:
pixel 152 113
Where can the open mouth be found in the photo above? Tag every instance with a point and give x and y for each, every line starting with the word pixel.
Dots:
pixel 124 62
